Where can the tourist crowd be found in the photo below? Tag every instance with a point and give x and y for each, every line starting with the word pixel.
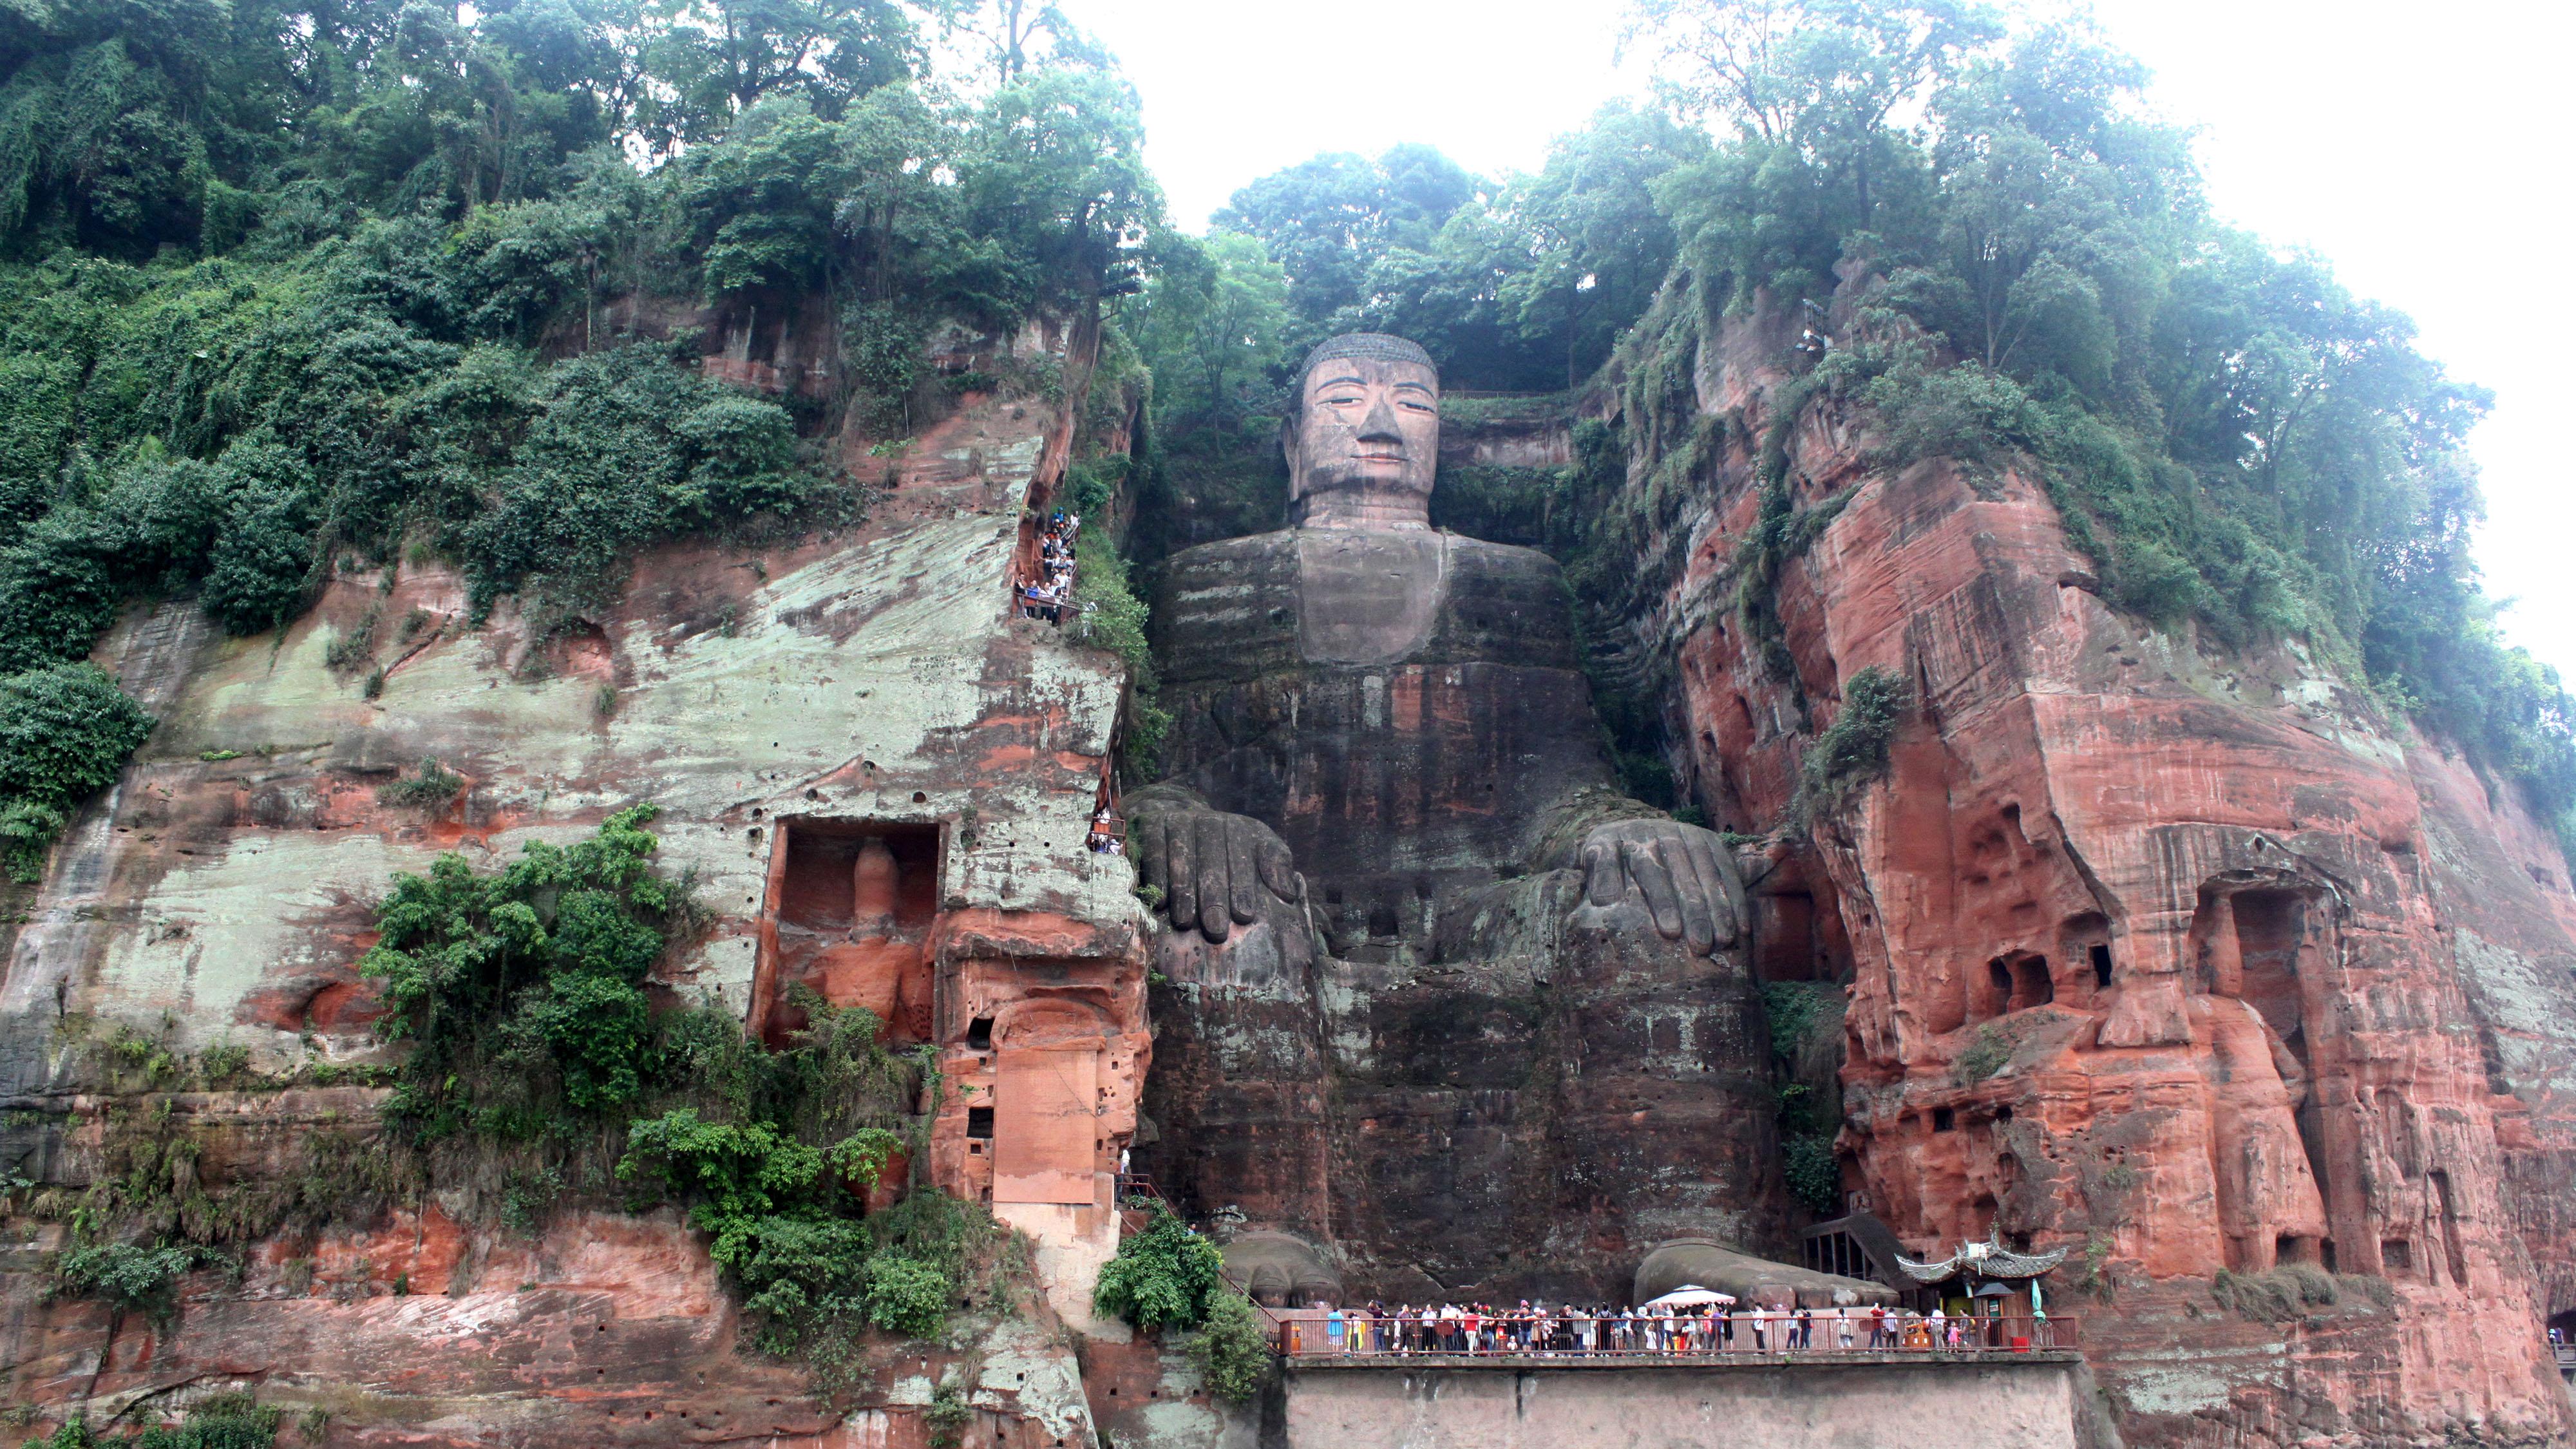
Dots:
pixel 1104 838
pixel 1539 1329
pixel 1045 596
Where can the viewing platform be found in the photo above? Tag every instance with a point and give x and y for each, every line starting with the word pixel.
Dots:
pixel 1758 1340
pixel 1971 1397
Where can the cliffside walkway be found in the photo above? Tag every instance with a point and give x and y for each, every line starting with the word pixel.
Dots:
pixel 1758 1340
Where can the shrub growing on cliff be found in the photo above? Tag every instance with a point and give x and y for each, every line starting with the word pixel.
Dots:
pixel 1231 1349
pixel 1162 1276
pixel 1112 617
pixel 1815 1180
pixel 1853 750
pixel 536 968
pixel 124 1275
pixel 2282 1293
pixel 540 1060
pixel 65 732
pixel 226 1421
pixel 427 788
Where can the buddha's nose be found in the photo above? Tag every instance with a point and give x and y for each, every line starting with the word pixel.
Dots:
pixel 1379 426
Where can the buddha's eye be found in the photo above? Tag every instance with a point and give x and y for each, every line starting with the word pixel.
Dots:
pixel 1409 405
pixel 1340 402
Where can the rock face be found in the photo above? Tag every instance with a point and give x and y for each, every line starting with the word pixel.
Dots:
pixel 2190 965
pixel 1459 1042
pixel 880 778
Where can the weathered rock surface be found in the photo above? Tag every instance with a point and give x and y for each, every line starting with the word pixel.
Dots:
pixel 1516 1070
pixel 880 778
pixel 2192 965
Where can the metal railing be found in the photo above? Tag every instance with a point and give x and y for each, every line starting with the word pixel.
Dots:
pixel 1306 1336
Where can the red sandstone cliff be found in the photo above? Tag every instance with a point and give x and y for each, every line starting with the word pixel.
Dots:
pixel 797 711
pixel 2190 964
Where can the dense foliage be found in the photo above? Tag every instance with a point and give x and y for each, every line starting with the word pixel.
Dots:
pixel 1232 1350
pixel 286 287
pixel 543 1066
pixel 1164 1275
pixel 1853 749
pixel 65 730
pixel 2031 275
pixel 225 1421
pixel 1805 1023
pixel 1518 283
pixel 2009 262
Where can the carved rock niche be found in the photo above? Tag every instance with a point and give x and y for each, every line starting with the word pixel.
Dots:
pixel 849 917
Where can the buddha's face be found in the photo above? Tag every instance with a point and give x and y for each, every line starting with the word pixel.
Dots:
pixel 1366 443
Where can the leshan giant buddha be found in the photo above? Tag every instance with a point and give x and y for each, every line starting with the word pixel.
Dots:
pixel 1440 999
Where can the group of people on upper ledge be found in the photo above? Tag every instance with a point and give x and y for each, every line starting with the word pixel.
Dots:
pixel 1107 837
pixel 1568 1330
pixel 1045 596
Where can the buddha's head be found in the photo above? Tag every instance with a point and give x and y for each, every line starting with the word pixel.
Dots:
pixel 1362 434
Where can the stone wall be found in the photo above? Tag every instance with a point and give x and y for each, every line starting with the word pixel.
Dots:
pixel 1919 1406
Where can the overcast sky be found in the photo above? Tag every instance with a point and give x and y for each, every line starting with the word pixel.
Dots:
pixel 2409 144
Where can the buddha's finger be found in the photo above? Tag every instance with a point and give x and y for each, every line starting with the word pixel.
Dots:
pixel 1699 926
pixel 1150 861
pixel 1724 917
pixel 1278 870
pixel 1242 872
pixel 1183 863
pixel 1601 882
pixel 1638 857
pixel 1214 907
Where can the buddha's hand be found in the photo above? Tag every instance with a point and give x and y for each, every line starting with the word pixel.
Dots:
pixel 1681 875
pixel 1216 871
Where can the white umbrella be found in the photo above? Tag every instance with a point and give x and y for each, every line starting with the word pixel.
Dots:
pixel 1689 1295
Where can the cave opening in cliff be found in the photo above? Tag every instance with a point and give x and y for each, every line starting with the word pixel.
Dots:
pixel 850 909
pixel 2016 981
pixel 2086 937
pixel 1798 927
pixel 2270 927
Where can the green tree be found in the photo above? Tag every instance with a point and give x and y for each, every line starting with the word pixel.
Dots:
pixel 1163 1275
pixel 1213 320
pixel 720 58
pixel 66 731
pixel 1329 219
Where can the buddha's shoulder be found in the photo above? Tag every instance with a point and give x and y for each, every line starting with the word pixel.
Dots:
pixel 1259 551
pixel 1284 548
pixel 1506 565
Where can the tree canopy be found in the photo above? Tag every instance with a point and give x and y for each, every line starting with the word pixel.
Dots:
pixel 290 284
pixel 2249 451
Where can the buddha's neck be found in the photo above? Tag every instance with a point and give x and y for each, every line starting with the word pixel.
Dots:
pixel 1369 508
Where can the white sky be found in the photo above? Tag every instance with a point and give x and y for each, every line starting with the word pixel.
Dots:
pixel 2415 146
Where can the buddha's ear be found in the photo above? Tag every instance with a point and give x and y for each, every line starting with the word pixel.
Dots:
pixel 1288 449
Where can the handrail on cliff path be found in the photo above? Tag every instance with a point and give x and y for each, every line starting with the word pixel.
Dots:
pixel 1755 1337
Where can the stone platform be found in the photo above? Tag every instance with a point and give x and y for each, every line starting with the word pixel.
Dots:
pixel 1819 1400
